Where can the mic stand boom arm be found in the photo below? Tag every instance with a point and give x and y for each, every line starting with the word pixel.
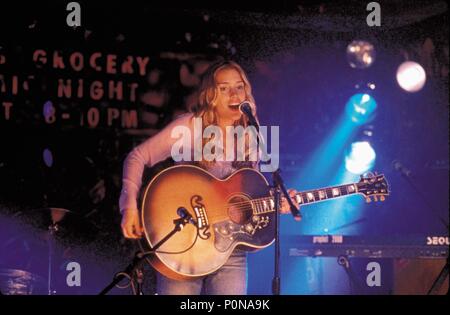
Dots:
pixel 139 257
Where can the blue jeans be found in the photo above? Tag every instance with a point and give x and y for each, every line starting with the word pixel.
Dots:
pixel 230 279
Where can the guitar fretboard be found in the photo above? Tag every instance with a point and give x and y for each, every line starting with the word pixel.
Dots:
pixel 267 204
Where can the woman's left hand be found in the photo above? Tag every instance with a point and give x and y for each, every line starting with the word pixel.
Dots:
pixel 284 203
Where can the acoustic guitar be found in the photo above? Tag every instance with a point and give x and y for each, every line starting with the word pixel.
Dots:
pixel 237 210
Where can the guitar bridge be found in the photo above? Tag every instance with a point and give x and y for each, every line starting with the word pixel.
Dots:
pixel 202 218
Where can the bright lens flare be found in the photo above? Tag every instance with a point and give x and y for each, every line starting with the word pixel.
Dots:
pixel 361 158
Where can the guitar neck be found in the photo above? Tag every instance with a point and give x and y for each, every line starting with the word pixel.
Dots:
pixel 267 204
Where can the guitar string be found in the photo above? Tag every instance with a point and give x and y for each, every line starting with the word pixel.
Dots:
pixel 260 207
pixel 246 205
pixel 260 201
pixel 314 192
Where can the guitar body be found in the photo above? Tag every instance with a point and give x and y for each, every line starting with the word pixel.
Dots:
pixel 222 208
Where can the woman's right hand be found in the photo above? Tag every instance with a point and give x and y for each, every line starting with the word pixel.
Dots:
pixel 131 225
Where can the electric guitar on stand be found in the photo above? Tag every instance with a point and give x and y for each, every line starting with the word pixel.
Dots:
pixel 238 210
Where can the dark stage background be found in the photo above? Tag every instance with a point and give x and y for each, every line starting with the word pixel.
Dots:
pixel 62 143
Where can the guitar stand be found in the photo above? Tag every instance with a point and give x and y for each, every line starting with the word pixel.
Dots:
pixel 134 270
pixel 353 281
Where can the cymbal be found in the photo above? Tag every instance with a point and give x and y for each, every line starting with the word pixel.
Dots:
pixel 56 214
pixel 63 222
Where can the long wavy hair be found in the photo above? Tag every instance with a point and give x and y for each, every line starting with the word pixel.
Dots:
pixel 206 105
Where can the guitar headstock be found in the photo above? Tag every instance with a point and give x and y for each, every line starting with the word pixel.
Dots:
pixel 373 185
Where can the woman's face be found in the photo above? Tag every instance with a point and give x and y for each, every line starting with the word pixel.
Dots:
pixel 231 92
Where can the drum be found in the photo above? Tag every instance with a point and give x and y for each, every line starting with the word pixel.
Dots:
pixel 21 282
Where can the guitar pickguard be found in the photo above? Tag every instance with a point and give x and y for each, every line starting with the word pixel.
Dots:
pixel 228 232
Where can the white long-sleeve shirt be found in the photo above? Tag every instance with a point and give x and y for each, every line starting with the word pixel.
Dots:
pixel 154 150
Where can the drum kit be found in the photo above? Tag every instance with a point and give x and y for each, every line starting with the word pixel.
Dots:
pixel 40 254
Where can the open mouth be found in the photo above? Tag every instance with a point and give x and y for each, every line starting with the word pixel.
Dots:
pixel 234 107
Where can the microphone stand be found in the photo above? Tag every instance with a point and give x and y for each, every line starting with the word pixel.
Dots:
pixel 439 280
pixel 52 229
pixel 354 286
pixel 277 188
pixel 276 280
pixel 139 258
pixel 424 199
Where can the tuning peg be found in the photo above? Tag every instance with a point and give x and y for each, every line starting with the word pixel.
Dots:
pixel 368 200
pixel 382 198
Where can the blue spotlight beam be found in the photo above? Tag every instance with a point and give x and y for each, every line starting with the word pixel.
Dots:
pixel 361 108
pixel 329 154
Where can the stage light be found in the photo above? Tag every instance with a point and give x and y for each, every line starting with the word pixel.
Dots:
pixel 361 108
pixel 48 157
pixel 48 110
pixel 411 76
pixel 361 157
pixel 360 54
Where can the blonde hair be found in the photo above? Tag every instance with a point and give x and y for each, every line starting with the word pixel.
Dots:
pixel 207 96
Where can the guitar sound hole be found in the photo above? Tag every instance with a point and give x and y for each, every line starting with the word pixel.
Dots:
pixel 240 210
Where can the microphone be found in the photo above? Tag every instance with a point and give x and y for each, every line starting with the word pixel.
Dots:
pixel 246 109
pixel 185 215
pixel 398 166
